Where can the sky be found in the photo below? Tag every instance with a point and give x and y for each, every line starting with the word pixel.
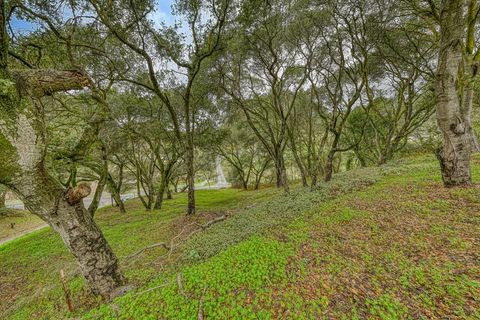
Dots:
pixel 163 13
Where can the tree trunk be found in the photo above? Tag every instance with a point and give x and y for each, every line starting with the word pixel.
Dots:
pixel 82 236
pixel 160 193
pixel 453 120
pixel 118 201
pixel 29 177
pixel 281 173
pixel 244 184
pixel 64 211
pixel 314 181
pixel 329 166
pixel 116 194
pixel 296 156
pixel 190 177
pixel 92 208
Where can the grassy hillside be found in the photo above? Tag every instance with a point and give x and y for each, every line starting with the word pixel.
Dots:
pixel 379 243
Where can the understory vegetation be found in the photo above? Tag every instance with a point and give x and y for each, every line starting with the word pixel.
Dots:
pixel 239 159
pixel 378 243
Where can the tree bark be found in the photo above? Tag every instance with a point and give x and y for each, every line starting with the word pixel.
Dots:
pixel 296 156
pixel 190 176
pixel 64 211
pixel 281 172
pixel 85 240
pixel 42 82
pixel 453 120
pixel 160 193
pixel 115 193
pixel 92 208
pixel 329 166
pixel 25 173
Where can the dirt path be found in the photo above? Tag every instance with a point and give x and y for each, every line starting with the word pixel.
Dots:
pixel 104 201
pixel 21 234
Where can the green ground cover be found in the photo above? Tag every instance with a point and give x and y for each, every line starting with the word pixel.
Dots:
pixel 376 243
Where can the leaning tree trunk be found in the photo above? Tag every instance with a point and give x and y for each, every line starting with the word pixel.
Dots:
pixel 92 208
pixel 453 120
pixel 25 172
pixel 85 240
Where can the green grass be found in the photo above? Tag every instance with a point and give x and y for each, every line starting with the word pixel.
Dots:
pixel 375 243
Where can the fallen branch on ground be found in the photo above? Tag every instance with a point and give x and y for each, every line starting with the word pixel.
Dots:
pixel 170 248
pixel 155 245
pixel 154 288
pixel 211 222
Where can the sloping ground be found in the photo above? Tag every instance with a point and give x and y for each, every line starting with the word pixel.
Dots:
pixel 30 286
pixel 380 243
pixel 404 248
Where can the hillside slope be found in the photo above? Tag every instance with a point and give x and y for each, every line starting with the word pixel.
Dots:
pixel 379 243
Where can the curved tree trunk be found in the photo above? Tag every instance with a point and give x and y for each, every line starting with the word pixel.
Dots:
pixel 115 192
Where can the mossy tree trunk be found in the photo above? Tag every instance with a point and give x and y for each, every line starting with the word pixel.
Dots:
pixel 452 83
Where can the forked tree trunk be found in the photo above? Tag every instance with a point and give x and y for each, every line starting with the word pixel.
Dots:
pixel 453 119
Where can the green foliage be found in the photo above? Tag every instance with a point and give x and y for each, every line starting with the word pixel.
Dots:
pixel 228 279
pixel 9 102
